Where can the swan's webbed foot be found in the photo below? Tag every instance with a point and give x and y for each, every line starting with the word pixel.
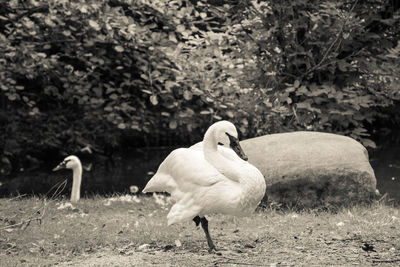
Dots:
pixel 213 250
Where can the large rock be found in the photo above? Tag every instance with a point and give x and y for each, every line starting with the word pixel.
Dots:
pixel 312 169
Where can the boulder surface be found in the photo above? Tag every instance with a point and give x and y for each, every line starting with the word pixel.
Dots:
pixel 312 169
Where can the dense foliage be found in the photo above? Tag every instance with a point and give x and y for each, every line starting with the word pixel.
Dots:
pixel 122 72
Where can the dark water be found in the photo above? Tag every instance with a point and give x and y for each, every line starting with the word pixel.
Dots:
pixel 135 167
pixel 386 165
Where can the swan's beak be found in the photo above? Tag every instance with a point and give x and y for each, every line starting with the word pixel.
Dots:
pixel 235 145
pixel 60 166
pixel 239 151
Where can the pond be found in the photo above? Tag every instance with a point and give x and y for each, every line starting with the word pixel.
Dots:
pixel 135 167
pixel 386 165
pixel 100 175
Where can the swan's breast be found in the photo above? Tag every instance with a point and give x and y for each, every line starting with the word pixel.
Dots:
pixel 234 198
pixel 253 188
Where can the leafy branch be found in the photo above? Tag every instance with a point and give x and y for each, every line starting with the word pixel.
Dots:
pixel 27 13
pixel 333 43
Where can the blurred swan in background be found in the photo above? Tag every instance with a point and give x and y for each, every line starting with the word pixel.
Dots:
pixel 73 162
pixel 213 179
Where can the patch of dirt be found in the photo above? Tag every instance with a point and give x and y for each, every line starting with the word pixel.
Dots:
pixel 267 252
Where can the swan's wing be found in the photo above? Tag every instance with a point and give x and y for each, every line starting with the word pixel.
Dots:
pixel 160 182
pixel 197 146
pixel 190 166
pixel 185 169
pixel 185 209
pixel 230 154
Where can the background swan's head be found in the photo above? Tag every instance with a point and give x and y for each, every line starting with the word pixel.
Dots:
pixel 225 133
pixel 70 162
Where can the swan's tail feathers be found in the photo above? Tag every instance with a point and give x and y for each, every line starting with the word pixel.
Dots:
pixel 160 183
pixel 183 211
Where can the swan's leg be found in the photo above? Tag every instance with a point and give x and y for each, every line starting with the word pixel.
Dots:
pixel 197 220
pixel 204 225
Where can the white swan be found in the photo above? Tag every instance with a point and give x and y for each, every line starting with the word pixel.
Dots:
pixel 207 181
pixel 73 162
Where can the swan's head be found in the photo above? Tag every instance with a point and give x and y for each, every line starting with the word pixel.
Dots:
pixel 226 135
pixel 70 162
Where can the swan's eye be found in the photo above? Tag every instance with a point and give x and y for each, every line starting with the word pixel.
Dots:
pixel 221 144
pixel 62 165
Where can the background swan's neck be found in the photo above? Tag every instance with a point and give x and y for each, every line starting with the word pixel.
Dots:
pixel 76 183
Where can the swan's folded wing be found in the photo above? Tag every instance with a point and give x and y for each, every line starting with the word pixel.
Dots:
pixel 188 167
pixel 197 146
pixel 230 154
pixel 184 209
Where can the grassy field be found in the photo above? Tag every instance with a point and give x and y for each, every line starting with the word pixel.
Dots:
pixel 130 231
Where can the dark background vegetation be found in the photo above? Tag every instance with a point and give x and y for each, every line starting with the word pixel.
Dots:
pixel 121 73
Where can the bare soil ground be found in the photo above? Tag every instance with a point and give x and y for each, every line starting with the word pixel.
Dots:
pixel 132 231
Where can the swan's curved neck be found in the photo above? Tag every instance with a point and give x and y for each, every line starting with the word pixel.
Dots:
pixel 224 165
pixel 76 183
pixel 209 144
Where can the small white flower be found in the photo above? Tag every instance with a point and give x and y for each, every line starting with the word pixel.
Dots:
pixel 136 199
pixel 178 243
pixel 143 247
pixel 134 189
pixel 66 206
pixel 340 224
pixel 159 199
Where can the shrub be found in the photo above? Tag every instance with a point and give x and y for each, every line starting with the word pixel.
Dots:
pixel 115 73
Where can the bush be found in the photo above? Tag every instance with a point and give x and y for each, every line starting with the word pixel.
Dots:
pixel 111 73
pixel 321 65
